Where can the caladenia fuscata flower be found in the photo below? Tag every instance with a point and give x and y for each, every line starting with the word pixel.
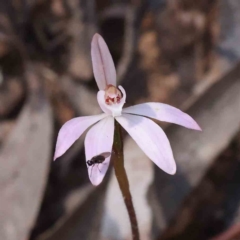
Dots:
pixel 135 120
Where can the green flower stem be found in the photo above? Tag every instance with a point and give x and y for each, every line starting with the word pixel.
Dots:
pixel 118 164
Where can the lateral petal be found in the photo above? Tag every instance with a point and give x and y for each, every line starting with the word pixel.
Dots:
pixel 72 130
pixel 163 112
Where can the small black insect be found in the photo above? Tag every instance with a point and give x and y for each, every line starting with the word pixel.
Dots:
pixel 98 159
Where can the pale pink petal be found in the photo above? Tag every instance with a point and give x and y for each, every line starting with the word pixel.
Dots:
pixel 151 139
pixel 115 109
pixel 72 130
pixel 103 66
pixel 99 139
pixel 163 112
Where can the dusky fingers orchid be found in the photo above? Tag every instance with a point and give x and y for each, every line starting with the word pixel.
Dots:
pixel 135 120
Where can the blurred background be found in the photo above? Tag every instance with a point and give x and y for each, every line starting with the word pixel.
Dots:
pixel 182 52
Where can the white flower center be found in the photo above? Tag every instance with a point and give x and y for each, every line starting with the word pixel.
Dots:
pixel 112 95
pixel 112 99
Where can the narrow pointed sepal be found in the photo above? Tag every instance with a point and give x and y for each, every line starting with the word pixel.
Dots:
pixel 151 139
pixel 99 139
pixel 103 65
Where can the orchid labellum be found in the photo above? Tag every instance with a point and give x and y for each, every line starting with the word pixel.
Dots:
pixel 135 120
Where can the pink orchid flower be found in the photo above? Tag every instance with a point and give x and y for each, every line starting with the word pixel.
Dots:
pixel 135 120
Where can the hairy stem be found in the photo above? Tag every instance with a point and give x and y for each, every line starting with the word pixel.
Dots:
pixel 118 164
